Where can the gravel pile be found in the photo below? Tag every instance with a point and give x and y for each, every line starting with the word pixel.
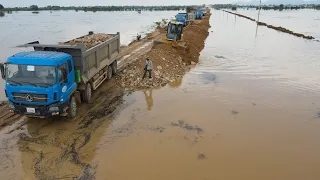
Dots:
pixel 89 41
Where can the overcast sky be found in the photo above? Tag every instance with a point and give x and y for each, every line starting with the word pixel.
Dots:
pixel 15 3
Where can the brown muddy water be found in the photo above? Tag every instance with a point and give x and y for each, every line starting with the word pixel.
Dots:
pixel 249 110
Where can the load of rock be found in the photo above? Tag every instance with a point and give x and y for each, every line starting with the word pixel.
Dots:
pixel 89 41
pixel 167 67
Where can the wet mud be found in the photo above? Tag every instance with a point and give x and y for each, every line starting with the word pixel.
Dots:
pixel 201 156
pixel 59 148
pixel 234 112
pixel 7 118
pixel 187 127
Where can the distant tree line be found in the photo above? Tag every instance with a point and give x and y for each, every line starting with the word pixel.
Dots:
pixel 268 7
pixel 98 8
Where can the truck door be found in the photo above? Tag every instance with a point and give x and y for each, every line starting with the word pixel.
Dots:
pixel 71 74
pixel 179 31
pixel 64 82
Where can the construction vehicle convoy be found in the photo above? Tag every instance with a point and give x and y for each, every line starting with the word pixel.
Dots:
pixel 174 33
pixel 52 79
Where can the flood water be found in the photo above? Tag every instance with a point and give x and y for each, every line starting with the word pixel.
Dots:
pixel 304 21
pixel 249 110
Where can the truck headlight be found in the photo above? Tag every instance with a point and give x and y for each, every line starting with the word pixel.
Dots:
pixel 54 108
pixel 10 105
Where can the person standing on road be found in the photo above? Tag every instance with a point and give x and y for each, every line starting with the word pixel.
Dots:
pixel 148 68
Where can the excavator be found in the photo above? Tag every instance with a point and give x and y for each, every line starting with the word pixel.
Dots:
pixel 174 35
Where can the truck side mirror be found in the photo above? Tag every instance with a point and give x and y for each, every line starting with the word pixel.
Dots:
pixel 3 73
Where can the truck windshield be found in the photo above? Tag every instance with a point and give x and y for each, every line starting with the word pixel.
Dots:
pixel 180 16
pixel 31 74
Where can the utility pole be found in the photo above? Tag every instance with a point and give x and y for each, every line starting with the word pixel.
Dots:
pixel 259 11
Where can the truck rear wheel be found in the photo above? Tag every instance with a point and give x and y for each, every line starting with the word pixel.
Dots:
pixel 109 74
pixel 87 93
pixel 72 111
pixel 114 67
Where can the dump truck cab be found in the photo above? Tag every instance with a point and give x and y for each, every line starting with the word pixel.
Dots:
pixel 199 14
pixel 174 31
pixel 182 17
pixel 40 83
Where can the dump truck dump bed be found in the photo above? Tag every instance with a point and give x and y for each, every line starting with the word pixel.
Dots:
pixel 91 53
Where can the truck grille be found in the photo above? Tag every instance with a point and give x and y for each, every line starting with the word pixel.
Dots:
pixel 25 97
pixel 55 96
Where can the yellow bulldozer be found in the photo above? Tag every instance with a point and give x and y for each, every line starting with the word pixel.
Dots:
pixel 174 35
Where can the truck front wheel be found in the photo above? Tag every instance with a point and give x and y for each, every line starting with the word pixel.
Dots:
pixel 87 93
pixel 72 111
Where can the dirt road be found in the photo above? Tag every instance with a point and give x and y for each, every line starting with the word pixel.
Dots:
pixel 60 148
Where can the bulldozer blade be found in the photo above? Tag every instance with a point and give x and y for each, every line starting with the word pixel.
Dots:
pixel 158 42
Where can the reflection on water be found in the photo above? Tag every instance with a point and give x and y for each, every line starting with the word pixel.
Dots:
pixel 301 21
pixel 257 30
pixel 148 97
pixel 176 83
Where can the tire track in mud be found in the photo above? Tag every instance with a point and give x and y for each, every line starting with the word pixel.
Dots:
pixel 50 151
pixel 37 145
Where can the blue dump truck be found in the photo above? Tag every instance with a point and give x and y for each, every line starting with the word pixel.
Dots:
pixel 185 18
pixel 53 79
pixel 198 14
pixel 204 11
pixel 182 17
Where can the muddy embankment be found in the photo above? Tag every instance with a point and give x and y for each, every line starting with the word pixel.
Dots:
pixel 169 62
pixel 278 28
pixel 60 148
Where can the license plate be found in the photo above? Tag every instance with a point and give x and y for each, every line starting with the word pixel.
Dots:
pixel 31 110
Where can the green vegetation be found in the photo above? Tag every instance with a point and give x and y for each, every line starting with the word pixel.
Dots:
pixel 268 7
pixel 99 8
pixel 190 9
pixel 34 7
